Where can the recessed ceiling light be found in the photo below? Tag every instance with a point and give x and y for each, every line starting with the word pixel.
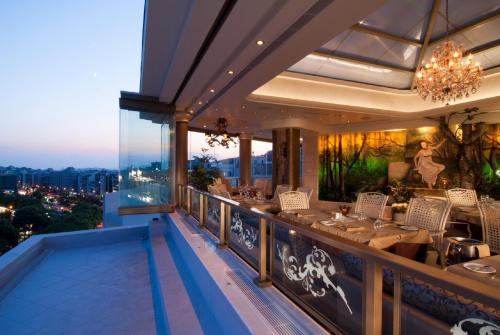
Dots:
pixel 243 107
pixel 204 126
pixel 259 42
pixel 212 90
pixel 191 111
pixel 200 103
pixel 230 72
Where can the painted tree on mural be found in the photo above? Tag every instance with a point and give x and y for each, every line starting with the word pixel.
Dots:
pixel 476 143
pixel 352 162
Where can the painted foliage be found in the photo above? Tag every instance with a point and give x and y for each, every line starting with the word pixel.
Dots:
pixel 444 156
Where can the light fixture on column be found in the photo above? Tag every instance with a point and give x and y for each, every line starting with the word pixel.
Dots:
pixel 220 136
pixel 448 76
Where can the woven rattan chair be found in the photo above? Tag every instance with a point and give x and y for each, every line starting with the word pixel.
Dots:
pixel 431 214
pixel 462 197
pixel 371 204
pixel 490 218
pixel 293 200
pixel 306 189
pixel 280 189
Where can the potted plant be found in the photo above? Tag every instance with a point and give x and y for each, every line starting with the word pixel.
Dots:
pixel 401 195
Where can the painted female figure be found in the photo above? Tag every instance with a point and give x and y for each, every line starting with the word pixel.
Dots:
pixel 425 165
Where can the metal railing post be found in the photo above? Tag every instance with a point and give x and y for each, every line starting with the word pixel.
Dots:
pixel 372 298
pixel 262 280
pixel 396 306
pixel 225 217
pixel 203 210
pixel 189 201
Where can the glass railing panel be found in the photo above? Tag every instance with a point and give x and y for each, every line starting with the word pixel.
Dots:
pixel 213 216
pixel 322 279
pixel 195 205
pixel 432 309
pixel 243 234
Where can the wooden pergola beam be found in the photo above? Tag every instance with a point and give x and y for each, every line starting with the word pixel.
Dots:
pixel 361 61
pixel 428 33
pixel 366 30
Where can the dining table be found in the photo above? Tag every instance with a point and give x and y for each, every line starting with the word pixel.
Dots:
pixel 389 234
pixel 488 278
pixel 264 205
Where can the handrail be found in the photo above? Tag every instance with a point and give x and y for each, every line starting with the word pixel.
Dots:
pixel 479 291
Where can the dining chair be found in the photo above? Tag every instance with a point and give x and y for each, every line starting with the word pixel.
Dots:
pixel 490 219
pixel 462 197
pixel 372 204
pixel 280 189
pixel 431 214
pixel 292 200
pixel 307 190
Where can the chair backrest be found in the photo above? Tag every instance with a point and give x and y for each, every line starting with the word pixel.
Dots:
pixel 372 204
pixel 428 213
pixel 306 189
pixel 213 190
pixel 462 197
pixel 280 189
pixel 490 218
pixel 293 200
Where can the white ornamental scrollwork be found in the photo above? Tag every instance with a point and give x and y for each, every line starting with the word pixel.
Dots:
pixel 245 236
pixel 486 328
pixel 318 266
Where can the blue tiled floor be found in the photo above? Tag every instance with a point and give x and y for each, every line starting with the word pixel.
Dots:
pixel 96 290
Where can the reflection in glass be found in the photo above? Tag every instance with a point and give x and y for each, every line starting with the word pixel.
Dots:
pixel 145 164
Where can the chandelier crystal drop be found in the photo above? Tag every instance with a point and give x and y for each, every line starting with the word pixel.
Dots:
pixel 220 136
pixel 448 76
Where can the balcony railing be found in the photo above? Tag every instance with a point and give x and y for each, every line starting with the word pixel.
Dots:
pixel 347 286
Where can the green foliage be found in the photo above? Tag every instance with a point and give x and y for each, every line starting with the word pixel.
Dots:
pixel 84 215
pixel 32 217
pixel 399 191
pixel 202 173
pixel 8 236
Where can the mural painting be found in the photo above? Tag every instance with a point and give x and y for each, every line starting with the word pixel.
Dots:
pixel 441 157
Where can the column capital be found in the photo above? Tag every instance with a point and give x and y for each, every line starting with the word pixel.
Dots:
pixel 182 116
pixel 245 136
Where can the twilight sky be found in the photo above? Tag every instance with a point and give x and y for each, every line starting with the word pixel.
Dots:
pixel 62 66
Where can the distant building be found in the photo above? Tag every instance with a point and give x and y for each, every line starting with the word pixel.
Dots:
pixel 8 182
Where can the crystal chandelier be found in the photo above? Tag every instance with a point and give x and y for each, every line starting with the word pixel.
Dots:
pixel 220 136
pixel 448 76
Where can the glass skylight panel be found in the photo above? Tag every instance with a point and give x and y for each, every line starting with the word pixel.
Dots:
pixel 410 14
pixel 463 12
pixel 352 71
pixel 333 44
pixel 365 45
pixel 489 58
pixel 403 55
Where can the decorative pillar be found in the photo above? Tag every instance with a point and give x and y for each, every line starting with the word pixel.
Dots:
pixel 245 158
pixel 181 149
pixel 286 157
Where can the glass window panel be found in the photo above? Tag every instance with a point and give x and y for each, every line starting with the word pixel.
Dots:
pixel 145 164
pixel 410 14
pixel 262 159
pixel 342 69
